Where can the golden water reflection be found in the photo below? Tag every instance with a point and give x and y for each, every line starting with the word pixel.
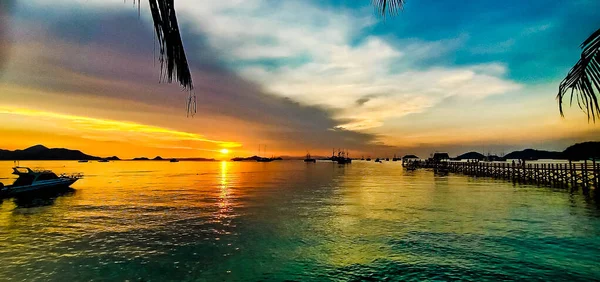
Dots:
pixel 257 220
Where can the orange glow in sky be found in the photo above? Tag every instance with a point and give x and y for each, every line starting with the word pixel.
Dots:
pixel 66 128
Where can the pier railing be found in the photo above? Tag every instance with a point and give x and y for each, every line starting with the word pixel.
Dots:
pixel 573 174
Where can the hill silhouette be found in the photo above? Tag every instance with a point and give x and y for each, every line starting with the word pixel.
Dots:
pixel 532 154
pixel 141 159
pixel 583 151
pixel 40 152
pixel 240 159
pixel 471 156
pixel 253 158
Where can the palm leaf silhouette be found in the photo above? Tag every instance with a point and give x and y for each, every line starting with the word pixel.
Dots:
pixel 172 55
pixel 583 80
pixel 392 7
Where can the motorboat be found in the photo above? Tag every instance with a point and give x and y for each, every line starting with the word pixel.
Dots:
pixel 103 161
pixel 36 180
pixel 174 160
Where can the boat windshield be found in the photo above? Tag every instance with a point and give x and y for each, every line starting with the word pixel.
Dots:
pixel 24 179
pixel 47 176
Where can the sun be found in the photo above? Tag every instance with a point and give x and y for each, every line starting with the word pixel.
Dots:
pixel 224 151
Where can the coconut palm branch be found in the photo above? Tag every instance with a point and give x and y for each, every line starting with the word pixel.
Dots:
pixel 392 7
pixel 583 80
pixel 172 55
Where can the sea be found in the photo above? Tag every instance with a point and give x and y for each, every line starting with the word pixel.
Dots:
pixel 294 221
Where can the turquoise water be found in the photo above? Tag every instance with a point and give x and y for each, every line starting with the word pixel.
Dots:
pixel 212 221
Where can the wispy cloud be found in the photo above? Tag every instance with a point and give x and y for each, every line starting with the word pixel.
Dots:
pixel 110 130
pixel 322 59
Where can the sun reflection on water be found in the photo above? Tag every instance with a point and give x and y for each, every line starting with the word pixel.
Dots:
pixel 223 197
pixel 200 221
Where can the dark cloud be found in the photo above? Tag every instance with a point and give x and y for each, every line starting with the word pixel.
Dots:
pixel 362 101
pixel 6 7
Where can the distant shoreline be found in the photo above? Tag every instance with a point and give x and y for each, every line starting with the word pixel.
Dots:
pixel 579 151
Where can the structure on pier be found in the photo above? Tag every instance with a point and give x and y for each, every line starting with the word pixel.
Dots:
pixel 438 157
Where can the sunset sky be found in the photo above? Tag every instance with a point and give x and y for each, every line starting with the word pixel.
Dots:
pixel 298 76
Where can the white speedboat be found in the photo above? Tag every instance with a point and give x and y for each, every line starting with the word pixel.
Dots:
pixel 36 181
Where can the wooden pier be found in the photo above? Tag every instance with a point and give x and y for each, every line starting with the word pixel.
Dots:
pixel 583 174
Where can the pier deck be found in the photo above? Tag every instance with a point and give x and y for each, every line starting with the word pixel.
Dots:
pixel 573 174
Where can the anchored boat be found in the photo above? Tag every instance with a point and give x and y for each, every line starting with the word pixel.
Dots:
pixel 309 159
pixel 36 180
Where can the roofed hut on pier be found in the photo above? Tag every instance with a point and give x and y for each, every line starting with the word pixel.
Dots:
pixel 407 157
pixel 439 157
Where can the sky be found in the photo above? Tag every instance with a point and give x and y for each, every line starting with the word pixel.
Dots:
pixel 295 76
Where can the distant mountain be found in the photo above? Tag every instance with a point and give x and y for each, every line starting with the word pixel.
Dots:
pixel 141 159
pixel 291 157
pixel 113 158
pixel 531 154
pixel 40 152
pixel 471 156
pixel 583 151
pixel 580 151
pixel 253 158
pixel 240 159
pixel 158 158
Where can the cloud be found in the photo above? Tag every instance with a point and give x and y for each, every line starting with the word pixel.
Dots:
pixel 102 129
pixel 6 7
pixel 340 65
pixel 320 57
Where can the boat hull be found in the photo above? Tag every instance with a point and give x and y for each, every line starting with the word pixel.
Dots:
pixel 38 186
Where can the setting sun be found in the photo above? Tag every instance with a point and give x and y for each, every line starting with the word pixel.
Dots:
pixel 224 151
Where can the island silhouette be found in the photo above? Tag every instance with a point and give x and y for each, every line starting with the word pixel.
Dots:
pixel 579 151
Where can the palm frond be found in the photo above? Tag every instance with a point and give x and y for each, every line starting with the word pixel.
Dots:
pixel 392 7
pixel 172 55
pixel 583 80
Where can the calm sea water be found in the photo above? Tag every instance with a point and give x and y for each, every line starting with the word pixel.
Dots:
pixel 224 221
